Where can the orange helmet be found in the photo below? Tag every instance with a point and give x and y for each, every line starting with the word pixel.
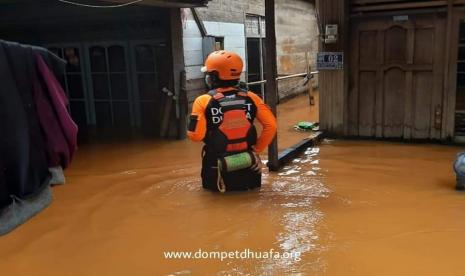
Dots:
pixel 228 65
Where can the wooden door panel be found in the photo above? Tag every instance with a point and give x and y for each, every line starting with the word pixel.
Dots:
pixel 368 48
pixel 366 116
pixel 394 98
pixel 395 45
pixel 422 92
pixel 424 46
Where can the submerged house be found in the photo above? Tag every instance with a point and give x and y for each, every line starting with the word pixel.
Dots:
pixel 124 64
pixel 403 74
pixel 133 70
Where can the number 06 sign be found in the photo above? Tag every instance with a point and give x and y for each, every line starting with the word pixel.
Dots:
pixel 330 61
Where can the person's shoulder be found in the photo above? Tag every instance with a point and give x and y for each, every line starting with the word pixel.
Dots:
pixel 203 99
pixel 204 96
pixel 250 93
pixel 253 96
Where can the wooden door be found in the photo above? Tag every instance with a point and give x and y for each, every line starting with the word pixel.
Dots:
pixel 396 77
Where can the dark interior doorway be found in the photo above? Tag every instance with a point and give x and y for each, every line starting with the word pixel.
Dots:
pixel 256 63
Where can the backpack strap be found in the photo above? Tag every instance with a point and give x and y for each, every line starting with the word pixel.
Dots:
pixel 242 92
pixel 215 95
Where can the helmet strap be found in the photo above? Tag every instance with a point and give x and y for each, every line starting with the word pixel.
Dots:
pixel 212 81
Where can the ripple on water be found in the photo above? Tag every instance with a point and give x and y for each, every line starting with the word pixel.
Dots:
pixel 295 190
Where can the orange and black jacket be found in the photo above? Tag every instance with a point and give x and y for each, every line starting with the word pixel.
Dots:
pixel 202 118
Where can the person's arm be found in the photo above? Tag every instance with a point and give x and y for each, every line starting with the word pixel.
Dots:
pixel 268 121
pixel 197 122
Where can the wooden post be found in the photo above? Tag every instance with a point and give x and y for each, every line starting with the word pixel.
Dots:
pixel 333 83
pixel 199 22
pixel 271 74
pixel 177 53
pixel 448 105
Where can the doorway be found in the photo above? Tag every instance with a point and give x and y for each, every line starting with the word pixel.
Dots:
pixel 256 52
pixel 256 63
pixel 396 77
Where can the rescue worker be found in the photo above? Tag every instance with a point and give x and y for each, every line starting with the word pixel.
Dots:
pixel 223 119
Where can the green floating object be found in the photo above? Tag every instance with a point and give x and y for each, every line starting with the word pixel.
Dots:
pixel 306 126
pixel 236 162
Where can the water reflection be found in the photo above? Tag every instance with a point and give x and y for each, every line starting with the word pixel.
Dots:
pixel 295 192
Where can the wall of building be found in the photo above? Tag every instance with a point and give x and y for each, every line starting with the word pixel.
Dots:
pixel 221 18
pixel 234 40
pixel 297 42
pixel 333 83
pixel 296 32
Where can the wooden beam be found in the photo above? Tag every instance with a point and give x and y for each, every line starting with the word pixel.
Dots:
pixel 448 105
pixel 373 2
pixel 332 83
pixel 346 43
pixel 399 6
pixel 291 153
pixel 177 53
pixel 198 20
pixel 271 74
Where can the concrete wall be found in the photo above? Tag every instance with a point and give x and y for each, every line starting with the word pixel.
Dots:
pixel 296 32
pixel 296 35
pixel 234 40
pixel 231 11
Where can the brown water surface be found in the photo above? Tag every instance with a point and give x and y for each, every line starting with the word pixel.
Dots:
pixel 349 208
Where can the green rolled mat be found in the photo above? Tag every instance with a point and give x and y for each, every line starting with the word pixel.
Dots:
pixel 236 162
pixel 306 126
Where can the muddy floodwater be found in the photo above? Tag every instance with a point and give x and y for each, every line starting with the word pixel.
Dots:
pixel 347 208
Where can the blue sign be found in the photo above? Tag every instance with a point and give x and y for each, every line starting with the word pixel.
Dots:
pixel 330 61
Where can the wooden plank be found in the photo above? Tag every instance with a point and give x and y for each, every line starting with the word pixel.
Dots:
pixel 408 67
pixel 271 74
pixel 166 106
pixel 199 22
pixel 414 5
pixel 366 107
pixel 333 84
pixel 409 96
pixel 410 45
pixel 368 2
pixel 177 53
pixel 450 69
pixel 408 123
pixel 354 83
pixel 438 75
pixel 389 23
pixel 380 89
pixel 393 102
pixel 423 92
pixel 344 84
pixel 294 151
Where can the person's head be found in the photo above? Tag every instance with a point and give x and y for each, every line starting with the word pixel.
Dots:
pixel 222 69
